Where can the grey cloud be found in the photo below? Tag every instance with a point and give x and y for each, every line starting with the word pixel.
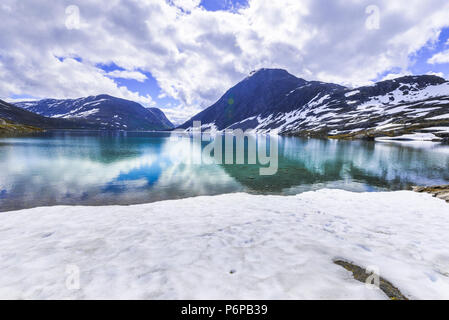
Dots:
pixel 196 57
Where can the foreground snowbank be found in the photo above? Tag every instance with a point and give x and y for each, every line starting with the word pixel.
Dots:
pixel 230 246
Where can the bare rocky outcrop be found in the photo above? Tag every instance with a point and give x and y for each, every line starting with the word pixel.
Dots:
pixel 441 192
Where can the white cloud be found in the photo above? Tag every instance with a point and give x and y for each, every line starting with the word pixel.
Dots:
pixel 62 79
pixel 441 57
pixel 124 74
pixel 438 74
pixel 186 5
pixel 179 114
pixel 16 100
pixel 197 55
pixel 392 76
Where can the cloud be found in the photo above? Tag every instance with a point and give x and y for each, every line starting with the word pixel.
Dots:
pixel 124 74
pixel 179 114
pixel 68 78
pixel 438 74
pixel 186 5
pixel 441 57
pixel 196 55
pixel 392 76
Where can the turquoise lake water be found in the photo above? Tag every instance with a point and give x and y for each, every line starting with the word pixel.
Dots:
pixel 120 168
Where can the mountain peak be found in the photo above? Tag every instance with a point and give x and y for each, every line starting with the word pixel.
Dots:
pixel 103 96
pixel 256 94
pixel 269 72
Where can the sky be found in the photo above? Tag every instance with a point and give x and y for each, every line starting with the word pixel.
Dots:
pixel 182 55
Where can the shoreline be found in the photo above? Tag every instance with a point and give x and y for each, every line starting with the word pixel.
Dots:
pixel 236 245
pixel 404 138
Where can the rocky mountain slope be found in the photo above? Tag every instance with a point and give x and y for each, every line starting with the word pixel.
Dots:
pixel 160 115
pixel 104 112
pixel 272 100
pixel 7 128
pixel 14 117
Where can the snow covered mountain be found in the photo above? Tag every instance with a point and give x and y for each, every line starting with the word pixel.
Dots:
pixel 272 100
pixel 102 111
pixel 15 115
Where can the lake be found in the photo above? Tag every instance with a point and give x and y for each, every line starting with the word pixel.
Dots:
pixel 122 168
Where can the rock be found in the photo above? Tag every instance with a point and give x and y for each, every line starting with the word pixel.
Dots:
pixel 361 275
pixel 440 192
pixel 443 196
pixel 418 189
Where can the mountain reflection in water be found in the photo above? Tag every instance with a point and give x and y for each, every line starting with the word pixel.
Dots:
pixel 105 168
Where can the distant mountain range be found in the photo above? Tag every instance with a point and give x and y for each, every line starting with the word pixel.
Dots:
pixel 101 112
pixel 272 100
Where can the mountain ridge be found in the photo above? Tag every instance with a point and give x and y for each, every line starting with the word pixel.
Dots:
pixel 104 112
pixel 18 116
pixel 278 102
